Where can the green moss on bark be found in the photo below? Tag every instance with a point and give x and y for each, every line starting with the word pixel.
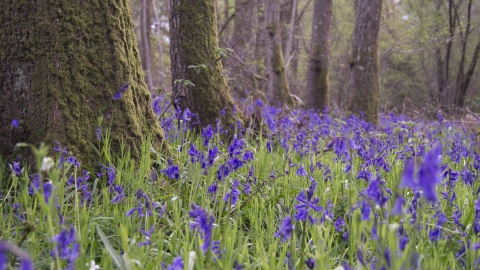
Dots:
pixel 194 41
pixel 70 58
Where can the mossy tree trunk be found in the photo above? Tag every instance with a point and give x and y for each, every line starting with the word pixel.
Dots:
pixel 194 42
pixel 317 74
pixel 61 63
pixel 364 65
pixel 277 87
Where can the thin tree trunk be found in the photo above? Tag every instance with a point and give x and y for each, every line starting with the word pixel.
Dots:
pixel 468 76
pixel 161 71
pixel 61 71
pixel 146 45
pixel 277 86
pixel 364 65
pixel 288 47
pixel 317 74
pixel 209 95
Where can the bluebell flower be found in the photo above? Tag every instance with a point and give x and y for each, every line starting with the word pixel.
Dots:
pixel 222 111
pixel 397 207
pixel 233 195
pixel 62 151
pixel 119 195
pixel 375 193
pixel 15 168
pixel 212 188
pixel 122 89
pixel 246 188
pixel 306 203
pixel 98 133
pixel 388 258
pixel 212 155
pixel 365 210
pixel 15 123
pixel 301 171
pixel 156 106
pixel 25 260
pixel 339 224
pixel 193 152
pixel 177 264
pixel 207 134
pixel 310 262
pixel 258 103
pixel 286 229
pixel 72 160
pixel 203 222
pixel 148 235
pixel 66 247
pixel 110 172
pixel 172 171
pixel 402 242
pixel 428 175
pixel 248 156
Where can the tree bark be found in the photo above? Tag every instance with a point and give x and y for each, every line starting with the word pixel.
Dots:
pixel 146 30
pixel 317 74
pixel 364 65
pixel 194 42
pixel 243 37
pixel 61 64
pixel 277 87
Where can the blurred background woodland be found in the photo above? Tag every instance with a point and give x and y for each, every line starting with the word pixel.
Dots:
pixel 428 50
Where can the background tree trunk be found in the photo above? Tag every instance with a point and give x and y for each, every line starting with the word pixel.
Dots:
pixel 317 74
pixel 146 31
pixel 61 64
pixel 277 87
pixel 364 65
pixel 194 41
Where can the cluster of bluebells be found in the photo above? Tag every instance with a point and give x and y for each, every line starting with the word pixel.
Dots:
pixel 66 247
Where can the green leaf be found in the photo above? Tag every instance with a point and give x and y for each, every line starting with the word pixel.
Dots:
pixel 113 253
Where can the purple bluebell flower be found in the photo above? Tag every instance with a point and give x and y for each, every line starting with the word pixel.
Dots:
pixel 222 111
pixel 402 242
pixel 233 195
pixel 428 175
pixel 62 151
pixel 148 235
pixel 212 188
pixel 122 89
pixel 66 247
pixel 119 195
pixel 72 160
pixel 286 229
pixel 110 172
pixel 98 133
pixel 203 222
pixel 172 170
pixel 207 134
pixel 339 224
pixel 177 264
pixel 25 260
pixel 310 262
pixel 156 106
pixel 388 258
pixel 15 168
pixel 375 192
pixel 365 210
pixel 258 103
pixel 306 203
pixel 193 152
pixel 397 207
pixel 15 123
pixel 212 155
pixel 246 188
pixel 301 171
pixel 248 156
